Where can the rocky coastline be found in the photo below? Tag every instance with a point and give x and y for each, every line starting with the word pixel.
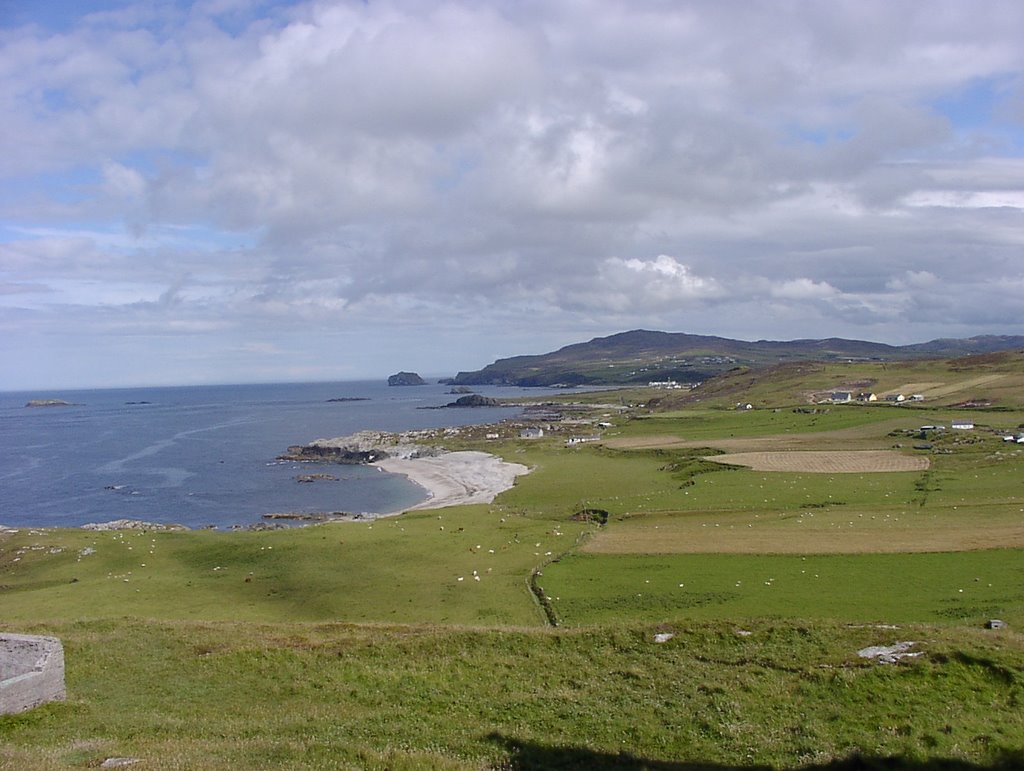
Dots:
pixel 449 478
pixel 361 448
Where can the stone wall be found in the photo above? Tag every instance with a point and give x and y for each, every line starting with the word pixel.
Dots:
pixel 31 671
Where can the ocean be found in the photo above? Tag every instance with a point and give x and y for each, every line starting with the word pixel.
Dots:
pixel 204 456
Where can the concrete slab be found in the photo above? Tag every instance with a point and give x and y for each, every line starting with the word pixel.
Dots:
pixel 31 671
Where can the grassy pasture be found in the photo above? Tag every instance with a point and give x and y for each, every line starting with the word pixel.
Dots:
pixel 702 425
pixel 970 497
pixel 406 569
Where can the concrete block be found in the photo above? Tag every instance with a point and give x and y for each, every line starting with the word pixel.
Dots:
pixel 31 671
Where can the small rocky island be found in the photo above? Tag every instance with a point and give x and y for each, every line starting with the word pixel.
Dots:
pixel 406 379
pixel 48 403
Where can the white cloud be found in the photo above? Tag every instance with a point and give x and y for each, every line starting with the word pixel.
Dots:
pixel 432 163
pixel 803 289
pixel 634 284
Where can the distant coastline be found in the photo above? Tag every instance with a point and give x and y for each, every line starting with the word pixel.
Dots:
pixel 204 456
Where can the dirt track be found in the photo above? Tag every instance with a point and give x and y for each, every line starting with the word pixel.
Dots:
pixel 823 462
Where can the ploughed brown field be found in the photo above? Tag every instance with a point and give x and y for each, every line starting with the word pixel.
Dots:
pixel 826 462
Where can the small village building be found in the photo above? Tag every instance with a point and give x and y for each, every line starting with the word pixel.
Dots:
pixel 531 433
pixel 842 396
pixel 867 397
pixel 962 425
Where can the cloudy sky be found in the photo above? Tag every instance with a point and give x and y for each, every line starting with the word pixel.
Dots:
pixel 235 190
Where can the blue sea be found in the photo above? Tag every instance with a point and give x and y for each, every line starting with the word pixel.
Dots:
pixel 204 456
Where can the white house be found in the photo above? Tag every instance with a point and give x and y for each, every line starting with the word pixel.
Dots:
pixel 531 433
pixel 962 425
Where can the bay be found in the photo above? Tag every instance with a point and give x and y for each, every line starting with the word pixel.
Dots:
pixel 204 456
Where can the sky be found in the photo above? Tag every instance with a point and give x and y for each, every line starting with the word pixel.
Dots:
pixel 232 191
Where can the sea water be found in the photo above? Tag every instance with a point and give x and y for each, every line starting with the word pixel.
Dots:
pixel 206 455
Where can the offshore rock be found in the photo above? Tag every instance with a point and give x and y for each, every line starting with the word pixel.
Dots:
pixel 406 379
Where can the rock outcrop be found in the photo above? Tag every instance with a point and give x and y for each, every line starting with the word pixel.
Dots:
pixel 132 524
pixel 474 400
pixel 361 447
pixel 332 454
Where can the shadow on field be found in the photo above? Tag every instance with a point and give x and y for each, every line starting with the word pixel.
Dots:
pixel 524 755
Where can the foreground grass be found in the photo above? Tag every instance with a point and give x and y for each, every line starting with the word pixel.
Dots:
pixel 769 694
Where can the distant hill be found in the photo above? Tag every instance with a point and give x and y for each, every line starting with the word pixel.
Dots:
pixel 980 380
pixel 642 356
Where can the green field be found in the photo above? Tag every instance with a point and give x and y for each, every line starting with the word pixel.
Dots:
pixel 425 641
pixel 967 588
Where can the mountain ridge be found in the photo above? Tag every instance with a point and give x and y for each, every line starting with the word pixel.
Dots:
pixel 642 356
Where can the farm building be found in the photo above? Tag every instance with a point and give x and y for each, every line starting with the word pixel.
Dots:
pixel 962 425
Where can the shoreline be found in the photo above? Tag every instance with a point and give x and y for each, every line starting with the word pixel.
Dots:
pixel 454 478
pixel 457 478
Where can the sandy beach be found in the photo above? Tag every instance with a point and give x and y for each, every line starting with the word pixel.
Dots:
pixel 455 478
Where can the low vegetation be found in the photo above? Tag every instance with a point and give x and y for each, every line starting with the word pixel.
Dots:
pixel 416 642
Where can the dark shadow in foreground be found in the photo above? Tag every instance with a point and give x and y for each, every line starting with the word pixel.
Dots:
pixel 530 756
